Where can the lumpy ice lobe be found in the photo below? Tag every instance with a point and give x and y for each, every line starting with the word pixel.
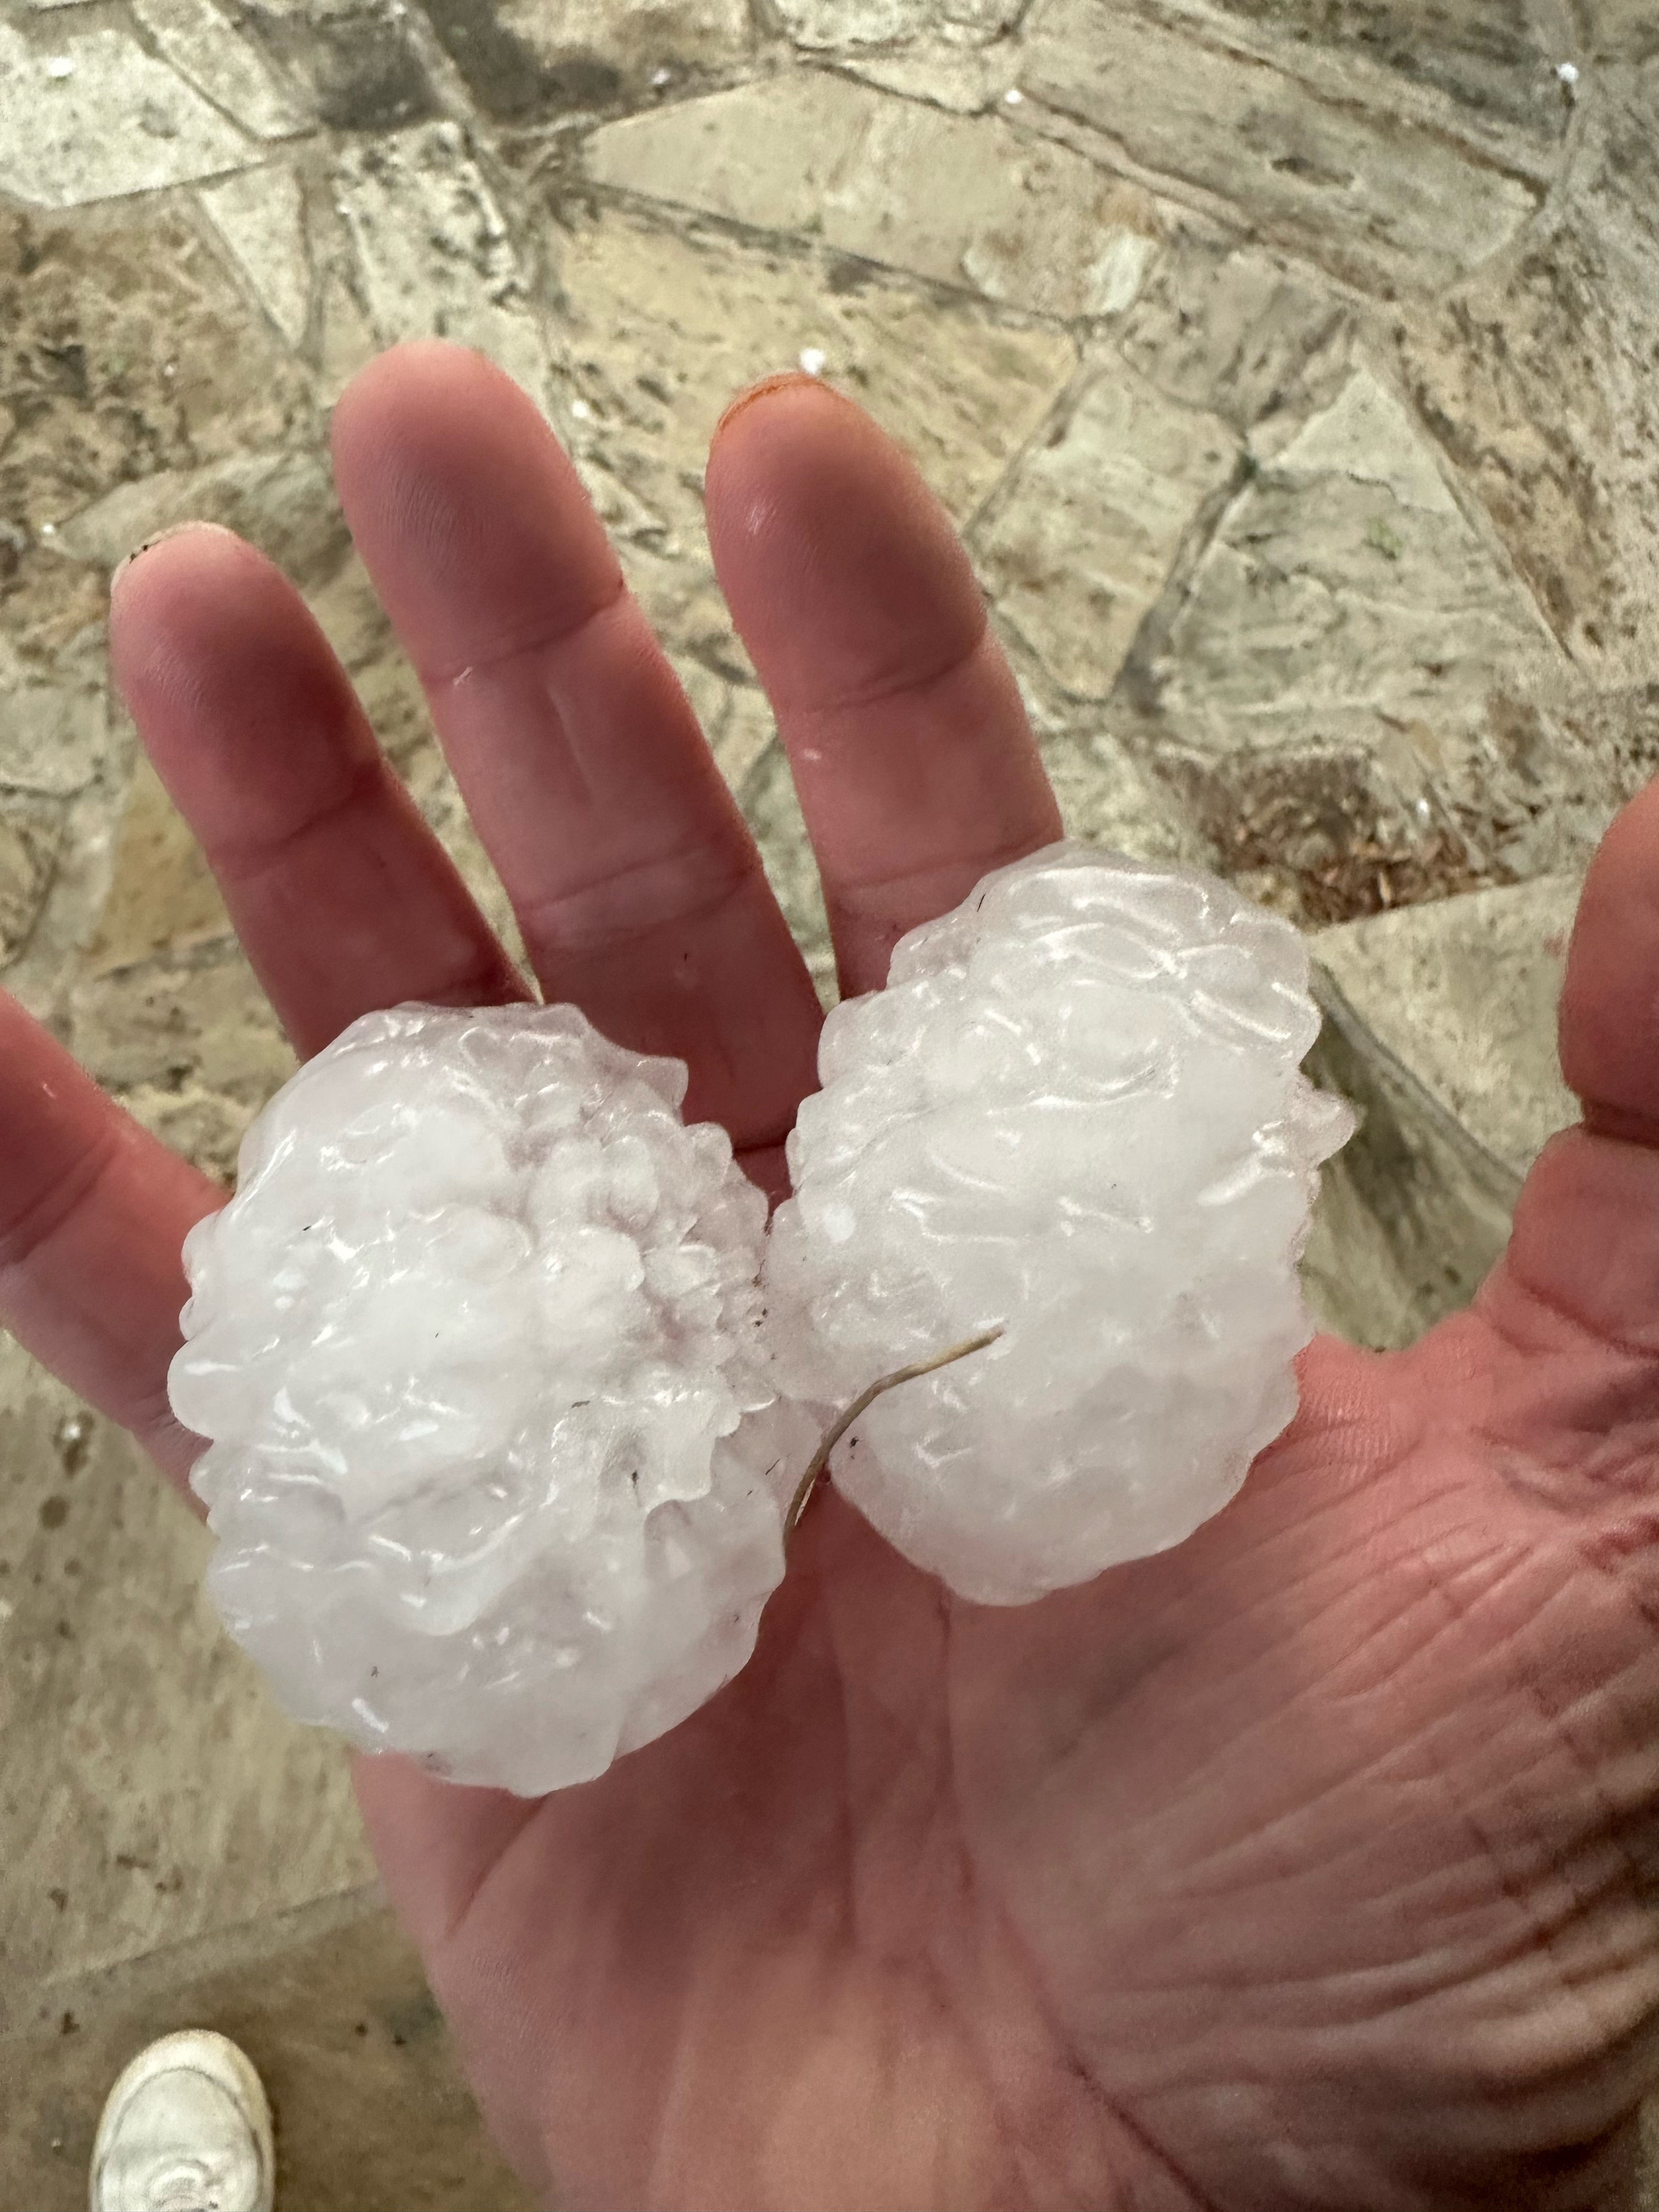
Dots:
pixel 496 1455
pixel 1076 1113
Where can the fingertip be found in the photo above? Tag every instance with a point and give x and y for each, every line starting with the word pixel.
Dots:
pixel 1608 1034
pixel 170 599
pixel 797 427
pixel 393 429
pixel 912 756
pixel 195 535
pixel 459 495
pixel 411 372
pixel 414 426
pixel 779 386
pixel 840 565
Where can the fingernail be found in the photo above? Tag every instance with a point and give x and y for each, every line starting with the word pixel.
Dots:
pixel 173 529
pixel 779 382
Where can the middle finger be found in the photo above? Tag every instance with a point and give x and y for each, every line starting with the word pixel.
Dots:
pixel 637 887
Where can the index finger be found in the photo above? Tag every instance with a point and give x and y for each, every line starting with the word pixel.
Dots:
pixel 912 756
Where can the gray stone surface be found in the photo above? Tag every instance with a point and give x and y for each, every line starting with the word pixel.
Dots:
pixel 1082 541
pixel 361 65
pixel 186 1041
pixel 1413 1212
pixel 838 24
pixel 283 502
pixel 963 79
pixel 86 113
pixel 161 1813
pixel 224 68
pixel 1622 30
pixel 1466 992
pixel 961 200
pixel 1380 200
pixel 1289 365
pixel 1484 71
pixel 56 720
pixel 1106 797
pixel 1353 687
pixel 260 215
pixel 662 329
pixel 433 253
pixel 1230 327
pixel 549 59
pixel 1574 311
pixel 329 2002
pixel 31 832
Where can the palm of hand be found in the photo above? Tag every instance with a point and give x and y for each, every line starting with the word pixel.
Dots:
pixel 1306 1864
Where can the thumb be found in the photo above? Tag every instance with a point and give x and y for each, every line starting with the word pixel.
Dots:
pixel 1586 1236
pixel 1609 1030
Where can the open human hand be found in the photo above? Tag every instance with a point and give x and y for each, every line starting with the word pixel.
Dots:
pixel 1310 1864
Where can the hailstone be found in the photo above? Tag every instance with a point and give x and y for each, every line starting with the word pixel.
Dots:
pixel 497 1466
pixel 1076 1114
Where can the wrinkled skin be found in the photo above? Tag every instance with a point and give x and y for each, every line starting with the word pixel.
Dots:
pixel 1310 1864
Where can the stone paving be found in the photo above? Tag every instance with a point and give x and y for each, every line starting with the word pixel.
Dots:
pixel 1290 367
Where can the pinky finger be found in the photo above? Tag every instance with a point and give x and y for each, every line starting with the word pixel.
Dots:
pixel 93 1213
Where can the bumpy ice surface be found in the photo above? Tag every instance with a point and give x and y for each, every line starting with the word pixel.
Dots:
pixel 495 1459
pixel 1076 1112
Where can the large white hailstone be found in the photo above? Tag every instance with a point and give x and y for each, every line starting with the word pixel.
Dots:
pixel 1076 1113
pixel 497 1468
